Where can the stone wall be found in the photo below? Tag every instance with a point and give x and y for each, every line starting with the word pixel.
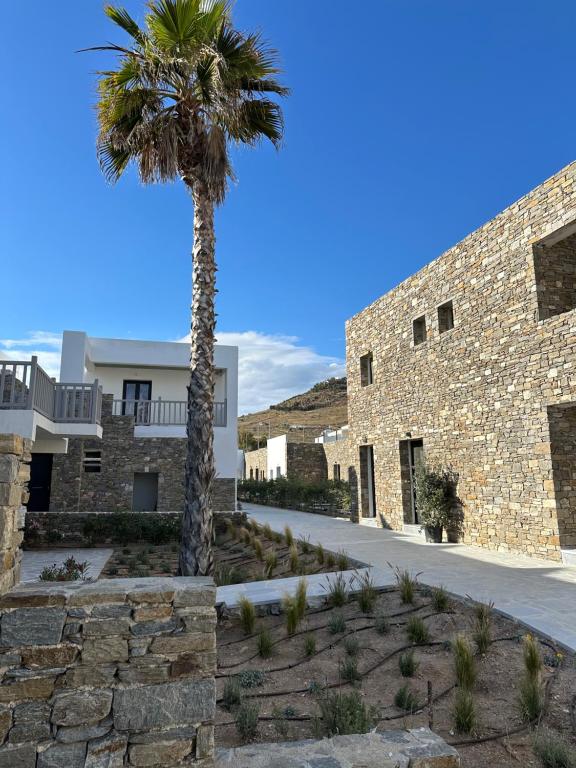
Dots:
pixel 338 453
pixel 123 455
pixel 110 674
pixel 306 462
pixel 478 394
pixel 256 461
pixel 14 476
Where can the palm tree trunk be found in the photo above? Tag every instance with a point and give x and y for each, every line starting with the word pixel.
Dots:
pixel 196 545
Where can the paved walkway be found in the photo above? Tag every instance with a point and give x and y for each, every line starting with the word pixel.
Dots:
pixel 34 561
pixel 539 593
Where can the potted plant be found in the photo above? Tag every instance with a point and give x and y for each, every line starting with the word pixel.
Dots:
pixel 434 494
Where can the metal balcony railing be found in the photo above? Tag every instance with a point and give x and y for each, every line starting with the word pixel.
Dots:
pixel 24 385
pixel 163 412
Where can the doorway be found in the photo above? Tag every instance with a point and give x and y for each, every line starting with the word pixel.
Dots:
pixel 136 397
pixel 367 482
pixel 145 493
pixel 40 482
pixel 411 457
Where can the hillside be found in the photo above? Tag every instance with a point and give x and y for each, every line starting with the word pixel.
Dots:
pixel 303 416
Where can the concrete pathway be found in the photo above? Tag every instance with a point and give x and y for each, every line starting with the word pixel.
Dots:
pixel 33 562
pixel 539 593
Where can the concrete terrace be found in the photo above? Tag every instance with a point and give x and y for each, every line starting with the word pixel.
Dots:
pixel 536 592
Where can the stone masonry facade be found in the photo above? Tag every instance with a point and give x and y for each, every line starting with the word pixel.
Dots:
pixel 256 464
pixel 14 476
pixel 304 461
pixel 123 455
pixel 494 396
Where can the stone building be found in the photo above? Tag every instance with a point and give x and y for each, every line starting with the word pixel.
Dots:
pixel 471 363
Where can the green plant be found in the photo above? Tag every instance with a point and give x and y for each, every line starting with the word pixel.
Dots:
pixel 407 699
pixel 270 563
pixel 247 721
pixel 351 645
pixel 111 571
pixel 382 625
pixel 320 554
pixel 294 558
pixel 342 560
pixel 126 551
pixel 251 678
pixel 482 630
pixel 245 536
pixel 291 614
pixel 288 536
pixel 301 598
pixel 434 489
pixel 280 724
pixel 247 615
pixel 553 750
pixel 407 585
pixel 440 599
pixel 368 593
pixel 309 645
pixel 265 644
pixel 254 526
pixel 349 670
pixel 337 623
pixel 530 699
pixel 267 532
pixel 305 545
pixel 417 631
pixel 278 537
pixel 408 664
pixel 258 549
pixel 532 657
pixel 344 713
pixel 165 567
pixel 227 574
pixel 464 663
pixel 337 590
pixel 464 711
pixel 232 694
pixel 141 573
pixel 70 570
pixel 330 560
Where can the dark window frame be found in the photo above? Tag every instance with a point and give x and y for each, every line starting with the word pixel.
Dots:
pixel 367 369
pixel 419 331
pixel 445 316
pixel 92 461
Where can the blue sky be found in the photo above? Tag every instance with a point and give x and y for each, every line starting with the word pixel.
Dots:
pixel 411 122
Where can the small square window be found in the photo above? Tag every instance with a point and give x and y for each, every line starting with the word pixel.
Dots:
pixel 92 461
pixel 366 376
pixel 445 317
pixel 419 330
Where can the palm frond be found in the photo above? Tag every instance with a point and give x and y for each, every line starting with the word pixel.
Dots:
pixel 122 18
pixel 257 119
pixel 113 161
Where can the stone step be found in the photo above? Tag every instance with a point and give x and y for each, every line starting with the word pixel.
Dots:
pixel 416 748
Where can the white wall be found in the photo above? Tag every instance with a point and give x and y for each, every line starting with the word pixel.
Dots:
pixel 276 456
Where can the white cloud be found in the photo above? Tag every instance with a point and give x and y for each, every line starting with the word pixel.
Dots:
pixel 45 345
pixel 272 368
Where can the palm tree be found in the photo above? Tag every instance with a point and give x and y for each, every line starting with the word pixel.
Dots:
pixel 187 87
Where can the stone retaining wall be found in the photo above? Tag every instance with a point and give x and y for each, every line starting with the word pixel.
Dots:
pixel 110 674
pixel 14 476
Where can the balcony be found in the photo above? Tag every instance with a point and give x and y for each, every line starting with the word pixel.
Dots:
pixel 24 385
pixel 172 413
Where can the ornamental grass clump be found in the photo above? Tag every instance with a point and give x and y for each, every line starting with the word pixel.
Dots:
pixel 337 590
pixel 247 615
pixel 258 549
pixel 301 598
pixel 288 536
pixel 407 585
pixel 368 594
pixel 382 625
pixel 349 670
pixel 294 558
pixel 320 554
pixel 337 624
pixel 531 698
pixel 408 664
pixel 553 750
pixel 291 614
pixel 342 560
pixel 330 560
pixel 351 645
pixel 265 644
pixel 417 631
pixel 232 694
pixel 440 599
pixel 482 630
pixel 464 663
pixel 247 721
pixel 309 645
pixel 464 711
pixel 270 563
pixel 344 713
pixel 305 545
pixel 406 699
pixel 267 532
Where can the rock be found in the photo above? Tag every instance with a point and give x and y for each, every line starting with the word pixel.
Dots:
pixel 35 688
pixel 46 656
pixel 182 643
pixel 152 612
pixel 83 732
pixel 95 677
pixel 81 707
pixel 184 733
pixel 205 741
pixel 107 752
pixel 159 753
pixel 18 756
pixel 5 723
pixel 31 722
pixel 10 660
pixel 63 756
pixel 105 627
pixel 111 611
pixel 163 706
pixel 32 626
pixel 144 674
pixel 104 650
pixel 155 627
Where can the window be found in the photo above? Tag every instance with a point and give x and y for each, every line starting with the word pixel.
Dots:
pixel 419 330
pixel 136 396
pixel 366 377
pixel 92 461
pixel 445 317
pixel 336 471
pixel 555 273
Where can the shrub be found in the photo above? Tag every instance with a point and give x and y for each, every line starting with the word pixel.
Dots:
pixel 435 495
pixel 297 494
pixel 342 560
pixel 351 645
pixel 464 712
pixel 408 664
pixel 291 614
pixel 344 713
pixel 440 599
pixel 270 563
pixel 265 644
pixel 417 631
pixel 406 699
pixel 288 536
pixel 247 615
pixel 464 663
pixel 232 694
pixel 247 721
pixel 531 699
pixel 349 670
pixel 368 594
pixel 382 625
pixel 553 750
pixel 482 631
pixel 406 585
pixel 70 570
pixel 309 645
pixel 320 554
pixel 301 598
pixel 294 559
pixel 251 678
pixel 337 591
pixel 337 624
pixel 126 527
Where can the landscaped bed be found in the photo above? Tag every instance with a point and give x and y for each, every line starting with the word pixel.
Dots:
pixel 384 651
